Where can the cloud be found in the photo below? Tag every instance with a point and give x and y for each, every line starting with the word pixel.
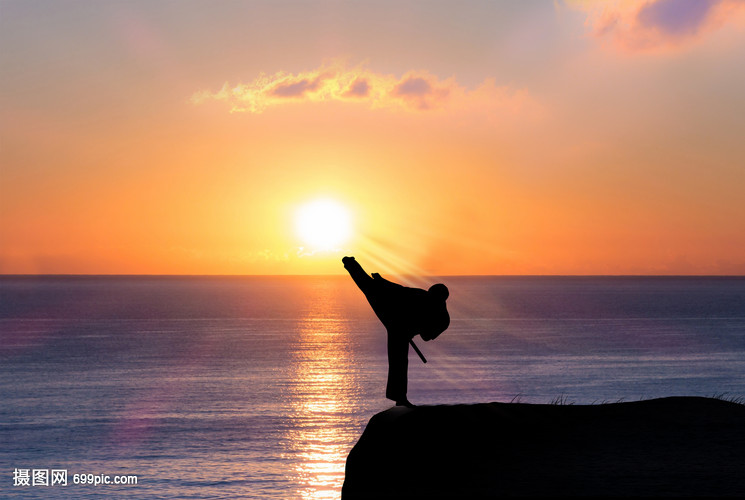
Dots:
pixel 413 91
pixel 420 92
pixel 360 88
pixel 413 87
pixel 296 89
pixel 653 25
pixel 676 17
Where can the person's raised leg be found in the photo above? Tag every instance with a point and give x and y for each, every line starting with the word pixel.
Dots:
pixel 360 277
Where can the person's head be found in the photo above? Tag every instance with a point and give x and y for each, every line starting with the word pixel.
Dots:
pixel 439 291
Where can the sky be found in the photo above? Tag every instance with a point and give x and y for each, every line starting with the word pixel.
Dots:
pixel 469 137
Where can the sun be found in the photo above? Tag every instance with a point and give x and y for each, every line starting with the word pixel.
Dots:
pixel 323 224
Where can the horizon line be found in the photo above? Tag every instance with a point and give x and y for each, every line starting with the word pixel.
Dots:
pixel 173 275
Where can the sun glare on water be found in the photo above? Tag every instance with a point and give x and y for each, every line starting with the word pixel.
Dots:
pixel 323 224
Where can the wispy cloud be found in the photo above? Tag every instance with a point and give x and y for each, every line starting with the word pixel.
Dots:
pixel 653 25
pixel 413 91
pixel 360 88
pixel 297 89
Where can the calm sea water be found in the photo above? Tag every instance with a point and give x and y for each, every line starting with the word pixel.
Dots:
pixel 259 387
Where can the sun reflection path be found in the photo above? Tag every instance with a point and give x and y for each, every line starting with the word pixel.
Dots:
pixel 324 396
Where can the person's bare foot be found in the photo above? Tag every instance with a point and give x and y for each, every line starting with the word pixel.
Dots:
pixel 406 403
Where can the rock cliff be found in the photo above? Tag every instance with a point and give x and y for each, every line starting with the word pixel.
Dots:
pixel 677 446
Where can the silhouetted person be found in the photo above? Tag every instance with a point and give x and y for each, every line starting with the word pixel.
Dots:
pixel 405 312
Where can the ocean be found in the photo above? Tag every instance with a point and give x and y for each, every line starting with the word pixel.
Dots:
pixel 258 387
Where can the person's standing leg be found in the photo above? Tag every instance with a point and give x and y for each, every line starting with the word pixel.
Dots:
pixel 398 365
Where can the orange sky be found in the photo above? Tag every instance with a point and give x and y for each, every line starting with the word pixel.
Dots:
pixel 464 137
